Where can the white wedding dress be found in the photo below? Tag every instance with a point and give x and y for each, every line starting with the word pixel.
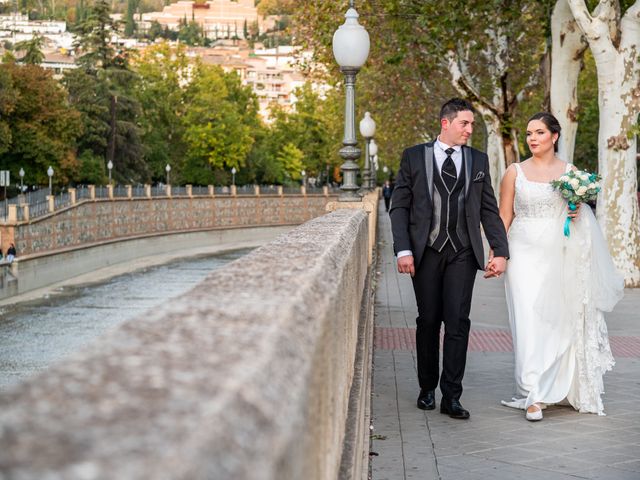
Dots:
pixel 557 288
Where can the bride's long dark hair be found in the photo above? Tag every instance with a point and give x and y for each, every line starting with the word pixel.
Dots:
pixel 552 124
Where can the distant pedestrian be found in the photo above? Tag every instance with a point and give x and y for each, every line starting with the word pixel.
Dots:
pixel 387 190
pixel 11 253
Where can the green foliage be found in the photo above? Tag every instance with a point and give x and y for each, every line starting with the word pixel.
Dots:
pixel 217 130
pixel 190 33
pixel 32 50
pixel 94 37
pixel 586 149
pixel 91 170
pixel 290 158
pixel 162 70
pixel 130 25
pixel 38 126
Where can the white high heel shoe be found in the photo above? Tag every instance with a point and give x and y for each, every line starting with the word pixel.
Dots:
pixel 534 416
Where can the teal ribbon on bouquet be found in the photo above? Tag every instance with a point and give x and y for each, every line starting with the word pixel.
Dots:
pixel 567 222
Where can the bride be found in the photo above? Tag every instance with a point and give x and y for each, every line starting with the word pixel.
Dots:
pixel 557 287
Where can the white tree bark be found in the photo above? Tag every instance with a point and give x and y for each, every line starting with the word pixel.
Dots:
pixel 490 113
pixel 615 51
pixel 567 48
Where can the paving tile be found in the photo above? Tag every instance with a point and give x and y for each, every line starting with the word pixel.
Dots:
pixel 497 442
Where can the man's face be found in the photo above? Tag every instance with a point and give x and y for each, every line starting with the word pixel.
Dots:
pixel 457 131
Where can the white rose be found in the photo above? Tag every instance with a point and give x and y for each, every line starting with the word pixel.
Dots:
pixel 592 186
pixel 582 190
pixel 574 182
pixel 584 176
pixel 564 178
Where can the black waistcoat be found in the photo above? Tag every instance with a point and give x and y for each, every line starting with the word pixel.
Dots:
pixel 449 222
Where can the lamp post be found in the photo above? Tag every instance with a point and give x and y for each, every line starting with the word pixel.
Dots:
pixel 233 175
pixel 367 130
pixel 109 167
pixel 350 49
pixel 168 170
pixel 50 173
pixel 385 169
pixel 304 178
pixel 21 173
pixel 373 151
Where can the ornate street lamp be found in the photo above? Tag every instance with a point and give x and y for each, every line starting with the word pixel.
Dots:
pixel 304 178
pixel 233 175
pixel 110 167
pixel 50 173
pixel 373 151
pixel 367 130
pixel 168 170
pixel 21 173
pixel 350 49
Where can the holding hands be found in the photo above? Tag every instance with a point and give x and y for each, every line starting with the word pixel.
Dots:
pixel 495 266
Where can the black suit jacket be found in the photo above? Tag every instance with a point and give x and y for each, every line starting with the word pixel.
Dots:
pixel 411 203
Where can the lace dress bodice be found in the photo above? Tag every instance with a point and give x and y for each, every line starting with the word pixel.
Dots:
pixel 536 200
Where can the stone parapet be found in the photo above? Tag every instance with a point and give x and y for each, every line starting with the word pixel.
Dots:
pixel 247 376
pixel 93 222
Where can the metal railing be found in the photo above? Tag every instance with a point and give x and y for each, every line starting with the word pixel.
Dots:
pixel 38 201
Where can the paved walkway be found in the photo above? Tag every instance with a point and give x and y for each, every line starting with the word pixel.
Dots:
pixel 497 442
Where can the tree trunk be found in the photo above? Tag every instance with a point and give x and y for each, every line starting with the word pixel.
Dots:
pixel 495 147
pixel 567 49
pixel 618 202
pixel 619 101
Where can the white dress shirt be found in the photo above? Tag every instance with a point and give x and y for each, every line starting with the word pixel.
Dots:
pixel 439 148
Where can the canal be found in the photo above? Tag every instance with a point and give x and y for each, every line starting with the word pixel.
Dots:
pixel 35 333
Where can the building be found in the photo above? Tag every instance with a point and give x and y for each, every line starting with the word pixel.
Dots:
pixel 217 18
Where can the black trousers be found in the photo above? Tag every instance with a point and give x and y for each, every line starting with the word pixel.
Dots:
pixel 443 286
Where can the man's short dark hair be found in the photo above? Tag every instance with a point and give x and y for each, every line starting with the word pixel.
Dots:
pixel 451 108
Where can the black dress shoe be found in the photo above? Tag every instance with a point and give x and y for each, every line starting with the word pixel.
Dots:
pixel 453 409
pixel 426 400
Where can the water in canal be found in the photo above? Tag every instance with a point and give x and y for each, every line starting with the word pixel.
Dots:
pixel 34 334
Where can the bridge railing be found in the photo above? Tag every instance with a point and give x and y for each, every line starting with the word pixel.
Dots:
pixel 39 203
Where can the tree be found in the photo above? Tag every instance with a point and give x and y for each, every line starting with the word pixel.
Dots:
pixel 614 40
pixel 290 158
pixel 94 37
pixel 130 25
pixel 102 88
pixel 216 132
pixel 32 50
pixel 567 51
pixel 8 99
pixel 190 33
pixel 485 51
pixel 164 72
pixel 40 128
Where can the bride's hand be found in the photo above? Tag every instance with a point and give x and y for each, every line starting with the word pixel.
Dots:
pixel 573 213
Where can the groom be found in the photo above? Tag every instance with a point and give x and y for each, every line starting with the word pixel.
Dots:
pixel 442 194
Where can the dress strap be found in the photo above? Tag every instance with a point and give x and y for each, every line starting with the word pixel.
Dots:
pixel 518 169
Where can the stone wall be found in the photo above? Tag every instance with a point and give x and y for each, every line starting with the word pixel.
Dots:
pixel 245 377
pixel 91 222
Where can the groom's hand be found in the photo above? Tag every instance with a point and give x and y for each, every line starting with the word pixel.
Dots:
pixel 495 267
pixel 405 265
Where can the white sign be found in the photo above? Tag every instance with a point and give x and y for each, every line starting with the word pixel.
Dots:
pixel 4 178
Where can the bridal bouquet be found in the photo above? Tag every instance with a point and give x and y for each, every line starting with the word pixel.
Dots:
pixel 576 187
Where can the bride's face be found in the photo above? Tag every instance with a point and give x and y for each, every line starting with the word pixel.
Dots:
pixel 539 137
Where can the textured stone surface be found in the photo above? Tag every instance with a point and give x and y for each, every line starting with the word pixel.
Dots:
pixel 246 376
pixel 105 220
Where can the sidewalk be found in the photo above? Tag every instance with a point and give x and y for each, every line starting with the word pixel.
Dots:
pixel 497 442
